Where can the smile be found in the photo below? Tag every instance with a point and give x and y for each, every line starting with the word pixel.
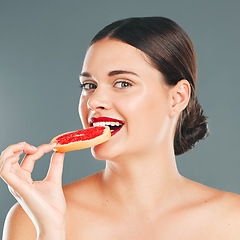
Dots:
pixel 114 124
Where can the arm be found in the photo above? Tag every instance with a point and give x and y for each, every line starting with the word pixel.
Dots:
pixel 18 226
pixel 16 223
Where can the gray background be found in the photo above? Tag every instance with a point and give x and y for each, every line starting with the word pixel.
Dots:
pixel 42 46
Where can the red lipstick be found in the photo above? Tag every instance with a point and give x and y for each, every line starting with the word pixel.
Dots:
pixel 114 124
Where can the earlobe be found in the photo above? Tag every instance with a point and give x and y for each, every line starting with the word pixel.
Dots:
pixel 180 96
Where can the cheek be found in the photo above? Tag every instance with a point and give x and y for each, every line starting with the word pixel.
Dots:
pixel 146 113
pixel 144 106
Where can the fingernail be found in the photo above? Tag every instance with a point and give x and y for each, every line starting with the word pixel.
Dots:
pixel 53 144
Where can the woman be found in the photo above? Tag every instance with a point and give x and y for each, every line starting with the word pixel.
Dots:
pixel 142 73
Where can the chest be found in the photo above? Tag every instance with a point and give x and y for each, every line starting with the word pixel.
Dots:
pixel 167 227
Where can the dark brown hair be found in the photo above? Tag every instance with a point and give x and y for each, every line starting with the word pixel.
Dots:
pixel 170 51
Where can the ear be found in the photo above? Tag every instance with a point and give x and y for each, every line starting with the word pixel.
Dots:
pixel 180 95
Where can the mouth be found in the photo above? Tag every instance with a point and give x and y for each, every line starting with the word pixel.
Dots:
pixel 114 124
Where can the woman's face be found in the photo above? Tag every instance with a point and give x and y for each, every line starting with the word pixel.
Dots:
pixel 120 88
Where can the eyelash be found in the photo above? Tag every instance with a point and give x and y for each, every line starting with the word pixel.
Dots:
pixel 129 84
pixel 90 86
pixel 83 86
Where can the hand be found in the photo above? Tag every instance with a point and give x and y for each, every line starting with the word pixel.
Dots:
pixel 43 201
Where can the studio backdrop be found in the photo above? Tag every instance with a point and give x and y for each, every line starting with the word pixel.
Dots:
pixel 42 47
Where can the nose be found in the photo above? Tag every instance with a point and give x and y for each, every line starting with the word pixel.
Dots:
pixel 99 100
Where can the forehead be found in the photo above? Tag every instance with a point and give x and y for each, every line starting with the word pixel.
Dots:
pixel 111 54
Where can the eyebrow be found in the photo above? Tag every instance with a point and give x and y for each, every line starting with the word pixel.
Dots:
pixel 84 74
pixel 117 72
pixel 110 74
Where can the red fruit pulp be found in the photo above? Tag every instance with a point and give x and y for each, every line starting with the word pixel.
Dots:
pixel 81 135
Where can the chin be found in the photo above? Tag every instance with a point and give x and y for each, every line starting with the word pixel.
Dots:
pixel 101 151
pixel 106 151
pixel 99 154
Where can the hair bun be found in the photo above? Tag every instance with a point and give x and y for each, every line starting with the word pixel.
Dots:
pixel 194 127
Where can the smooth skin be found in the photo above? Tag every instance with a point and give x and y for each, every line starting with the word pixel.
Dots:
pixel 140 193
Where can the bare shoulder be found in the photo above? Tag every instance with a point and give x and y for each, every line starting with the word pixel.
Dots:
pixel 230 203
pixel 229 217
pixel 18 225
pixel 84 205
pixel 79 189
pixel 83 193
pixel 220 211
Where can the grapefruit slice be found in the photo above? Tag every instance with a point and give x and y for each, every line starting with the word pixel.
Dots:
pixel 81 139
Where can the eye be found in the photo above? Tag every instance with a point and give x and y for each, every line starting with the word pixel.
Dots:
pixel 88 86
pixel 122 84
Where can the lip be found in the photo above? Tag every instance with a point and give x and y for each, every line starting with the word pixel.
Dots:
pixel 106 119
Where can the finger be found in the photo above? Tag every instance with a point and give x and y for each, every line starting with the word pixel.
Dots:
pixel 6 169
pixel 22 146
pixel 56 168
pixel 15 179
pixel 4 159
pixel 30 159
pixel 19 153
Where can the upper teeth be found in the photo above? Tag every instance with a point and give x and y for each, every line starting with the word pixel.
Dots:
pixel 107 123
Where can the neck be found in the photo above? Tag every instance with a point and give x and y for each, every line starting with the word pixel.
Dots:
pixel 146 181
